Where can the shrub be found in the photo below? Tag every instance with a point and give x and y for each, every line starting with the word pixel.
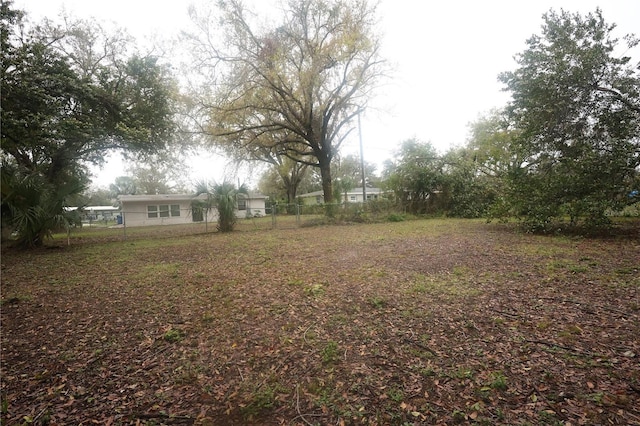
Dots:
pixel 395 217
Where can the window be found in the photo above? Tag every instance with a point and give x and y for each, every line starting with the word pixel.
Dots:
pixel 164 210
pixel 242 203
pixel 152 212
pixel 352 197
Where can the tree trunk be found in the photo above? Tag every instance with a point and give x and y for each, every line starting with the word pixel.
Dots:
pixel 291 180
pixel 287 186
pixel 290 195
pixel 327 186
pixel 292 188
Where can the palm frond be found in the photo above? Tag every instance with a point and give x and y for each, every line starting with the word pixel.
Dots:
pixel 224 198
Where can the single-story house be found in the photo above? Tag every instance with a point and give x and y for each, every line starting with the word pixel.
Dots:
pixel 252 204
pixel 352 196
pixel 175 209
pixel 95 213
pixel 92 213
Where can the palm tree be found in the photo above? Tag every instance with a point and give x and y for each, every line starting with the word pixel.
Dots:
pixel 33 208
pixel 224 198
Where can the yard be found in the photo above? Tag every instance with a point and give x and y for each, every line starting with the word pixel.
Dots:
pixel 417 322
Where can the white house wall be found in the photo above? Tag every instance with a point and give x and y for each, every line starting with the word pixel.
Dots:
pixel 255 205
pixel 136 213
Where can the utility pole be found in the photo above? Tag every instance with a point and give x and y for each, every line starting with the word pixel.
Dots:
pixel 364 185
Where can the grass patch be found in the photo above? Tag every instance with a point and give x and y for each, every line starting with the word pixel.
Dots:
pixel 498 381
pixel 172 335
pixel 329 353
pixel 314 290
pixel 456 284
pixel 262 400
pixel 377 302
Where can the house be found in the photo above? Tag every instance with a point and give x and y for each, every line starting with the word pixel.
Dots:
pixel 251 205
pixel 352 196
pixel 175 209
pixel 95 213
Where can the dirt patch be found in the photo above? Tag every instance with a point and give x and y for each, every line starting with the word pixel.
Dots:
pixel 423 322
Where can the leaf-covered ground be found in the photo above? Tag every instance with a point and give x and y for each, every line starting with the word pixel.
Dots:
pixel 420 322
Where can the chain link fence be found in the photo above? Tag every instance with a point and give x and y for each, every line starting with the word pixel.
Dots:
pixel 300 215
pixel 183 222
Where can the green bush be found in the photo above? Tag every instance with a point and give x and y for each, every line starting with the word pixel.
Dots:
pixel 395 217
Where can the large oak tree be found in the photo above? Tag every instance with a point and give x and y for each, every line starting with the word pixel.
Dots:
pixel 288 89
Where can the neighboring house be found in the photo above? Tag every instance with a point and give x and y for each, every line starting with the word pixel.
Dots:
pixel 352 196
pixel 96 213
pixel 175 209
pixel 91 213
pixel 251 205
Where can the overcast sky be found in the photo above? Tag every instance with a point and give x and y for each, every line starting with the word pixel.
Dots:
pixel 446 57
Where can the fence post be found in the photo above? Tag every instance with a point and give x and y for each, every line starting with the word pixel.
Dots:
pixel 124 226
pixel 274 207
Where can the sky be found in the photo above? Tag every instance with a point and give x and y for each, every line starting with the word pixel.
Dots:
pixel 445 58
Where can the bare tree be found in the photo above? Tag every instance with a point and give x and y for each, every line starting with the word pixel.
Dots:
pixel 291 89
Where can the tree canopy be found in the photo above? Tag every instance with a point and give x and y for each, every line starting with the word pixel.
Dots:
pixel 576 105
pixel 284 178
pixel 290 89
pixel 415 175
pixel 69 95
